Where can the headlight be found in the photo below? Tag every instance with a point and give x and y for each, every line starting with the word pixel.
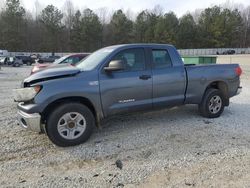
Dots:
pixel 26 94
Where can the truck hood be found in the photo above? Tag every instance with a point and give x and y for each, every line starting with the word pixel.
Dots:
pixel 50 73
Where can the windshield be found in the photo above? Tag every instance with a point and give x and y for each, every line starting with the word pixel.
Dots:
pixel 57 61
pixel 91 61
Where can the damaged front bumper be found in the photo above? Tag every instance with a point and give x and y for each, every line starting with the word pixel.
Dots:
pixel 30 121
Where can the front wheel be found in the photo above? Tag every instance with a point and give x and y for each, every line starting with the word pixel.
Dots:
pixel 70 124
pixel 212 104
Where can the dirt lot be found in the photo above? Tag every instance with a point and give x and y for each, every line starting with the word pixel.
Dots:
pixel 167 148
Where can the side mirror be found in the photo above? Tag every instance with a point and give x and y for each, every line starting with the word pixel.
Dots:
pixel 115 65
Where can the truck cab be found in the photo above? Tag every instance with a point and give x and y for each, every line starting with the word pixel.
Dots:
pixel 150 79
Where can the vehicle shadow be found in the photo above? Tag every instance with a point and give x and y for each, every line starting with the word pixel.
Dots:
pixel 147 117
pixel 166 128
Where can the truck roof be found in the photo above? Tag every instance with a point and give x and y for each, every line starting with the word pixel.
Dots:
pixel 153 45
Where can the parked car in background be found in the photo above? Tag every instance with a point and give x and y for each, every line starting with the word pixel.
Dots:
pixel 35 56
pixel 229 52
pixel 68 59
pixel 3 60
pixel 26 59
pixel 49 59
pixel 13 61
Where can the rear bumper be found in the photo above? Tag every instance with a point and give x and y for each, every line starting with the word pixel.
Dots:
pixel 239 90
pixel 30 121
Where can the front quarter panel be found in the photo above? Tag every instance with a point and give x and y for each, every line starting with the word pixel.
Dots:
pixel 84 85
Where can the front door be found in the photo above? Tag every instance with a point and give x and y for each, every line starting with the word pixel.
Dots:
pixel 130 89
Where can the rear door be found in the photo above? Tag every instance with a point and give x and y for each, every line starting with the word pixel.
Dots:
pixel 130 89
pixel 169 81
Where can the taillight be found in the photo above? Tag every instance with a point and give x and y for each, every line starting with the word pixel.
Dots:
pixel 34 69
pixel 238 71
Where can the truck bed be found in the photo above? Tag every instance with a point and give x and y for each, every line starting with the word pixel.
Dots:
pixel 200 76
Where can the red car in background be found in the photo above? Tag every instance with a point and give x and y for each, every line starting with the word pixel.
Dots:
pixel 71 59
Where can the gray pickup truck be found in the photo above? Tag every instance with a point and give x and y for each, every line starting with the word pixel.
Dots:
pixel 66 102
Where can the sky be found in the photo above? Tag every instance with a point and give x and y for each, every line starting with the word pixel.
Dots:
pixel 180 7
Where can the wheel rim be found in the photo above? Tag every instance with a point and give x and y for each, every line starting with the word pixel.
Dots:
pixel 71 125
pixel 215 104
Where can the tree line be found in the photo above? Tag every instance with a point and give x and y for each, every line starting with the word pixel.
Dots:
pixel 54 30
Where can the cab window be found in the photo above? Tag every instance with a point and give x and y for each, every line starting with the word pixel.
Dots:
pixel 161 59
pixel 134 59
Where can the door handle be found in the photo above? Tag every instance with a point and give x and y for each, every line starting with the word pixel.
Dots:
pixel 145 77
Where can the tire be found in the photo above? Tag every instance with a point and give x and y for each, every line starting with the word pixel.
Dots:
pixel 28 63
pixel 212 104
pixel 16 65
pixel 75 121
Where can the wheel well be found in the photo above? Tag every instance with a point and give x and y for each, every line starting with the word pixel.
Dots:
pixel 222 86
pixel 58 102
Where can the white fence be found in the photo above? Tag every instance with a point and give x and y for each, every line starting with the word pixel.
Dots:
pixel 44 54
pixel 212 51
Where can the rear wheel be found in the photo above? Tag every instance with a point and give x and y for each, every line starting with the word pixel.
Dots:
pixel 70 124
pixel 213 104
pixel 16 65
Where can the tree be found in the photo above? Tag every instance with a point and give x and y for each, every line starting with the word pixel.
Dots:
pixel 12 26
pixel 220 27
pixel 68 22
pixel 232 27
pixel 51 18
pixel 37 9
pixel 120 28
pixel 210 28
pixel 166 29
pixel 91 31
pixel 102 15
pixel 144 27
pixel 86 31
pixel 186 34
pixel 246 27
pixel 53 30
pixel 68 14
pixel 75 38
pixel 140 26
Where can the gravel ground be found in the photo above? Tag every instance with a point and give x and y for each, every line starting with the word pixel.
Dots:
pixel 167 148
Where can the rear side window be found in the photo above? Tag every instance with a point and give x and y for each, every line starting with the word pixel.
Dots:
pixel 67 60
pixel 134 59
pixel 161 59
pixel 71 60
pixel 75 60
pixel 81 57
